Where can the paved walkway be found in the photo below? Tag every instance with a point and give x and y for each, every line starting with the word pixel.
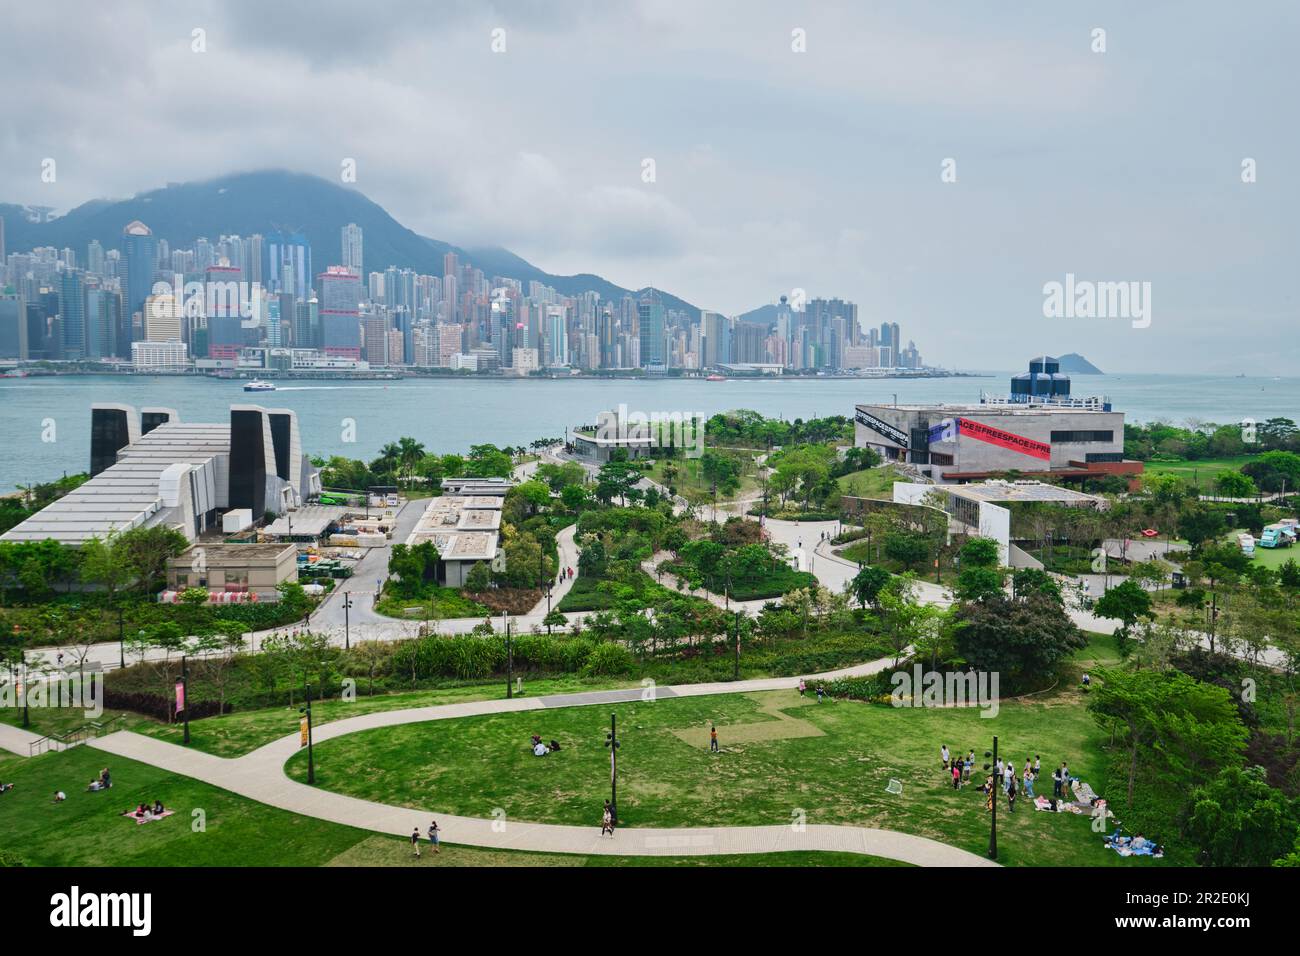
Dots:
pixel 260 776
pixel 16 740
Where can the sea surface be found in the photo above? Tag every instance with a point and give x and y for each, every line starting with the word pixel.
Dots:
pixel 45 421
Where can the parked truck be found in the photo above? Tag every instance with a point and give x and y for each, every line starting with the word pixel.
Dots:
pixel 1279 535
pixel 1247 543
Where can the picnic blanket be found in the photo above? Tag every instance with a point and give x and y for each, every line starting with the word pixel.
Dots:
pixel 1083 792
pixel 1124 846
pixel 130 814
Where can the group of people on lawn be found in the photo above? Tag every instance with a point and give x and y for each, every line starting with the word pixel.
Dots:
pixel 1004 777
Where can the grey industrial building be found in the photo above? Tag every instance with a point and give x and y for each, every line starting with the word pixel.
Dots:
pixel 1038 429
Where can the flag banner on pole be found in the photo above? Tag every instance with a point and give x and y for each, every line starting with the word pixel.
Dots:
pixel 180 696
pixel 302 732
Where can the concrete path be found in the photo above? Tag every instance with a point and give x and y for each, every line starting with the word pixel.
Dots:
pixel 260 776
pixel 568 552
pixel 16 740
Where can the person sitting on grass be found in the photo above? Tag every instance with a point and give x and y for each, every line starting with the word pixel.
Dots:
pixel 96 784
pixel 59 796
pixel 6 787
pixel 554 746
pixel 157 807
pixel 539 749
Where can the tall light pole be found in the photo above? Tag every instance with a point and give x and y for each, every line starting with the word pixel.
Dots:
pixel 611 741
pixel 185 696
pixel 306 711
pixel 347 606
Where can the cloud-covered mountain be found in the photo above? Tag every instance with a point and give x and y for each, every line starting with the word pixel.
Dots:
pixel 259 202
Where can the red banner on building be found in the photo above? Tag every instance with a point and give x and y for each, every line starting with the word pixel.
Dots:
pixel 996 436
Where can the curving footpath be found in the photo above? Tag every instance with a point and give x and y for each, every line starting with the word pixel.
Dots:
pixel 259 775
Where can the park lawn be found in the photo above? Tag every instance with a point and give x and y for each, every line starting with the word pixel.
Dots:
pixel 1101 650
pixel 380 850
pixel 1203 472
pixel 241 732
pixel 875 482
pixel 832 761
pixel 87 829
pixel 692 486
pixel 447 603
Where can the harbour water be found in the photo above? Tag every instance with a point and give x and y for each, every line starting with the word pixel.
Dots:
pixel 45 421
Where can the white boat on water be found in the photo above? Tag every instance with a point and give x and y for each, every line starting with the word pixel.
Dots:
pixel 257 385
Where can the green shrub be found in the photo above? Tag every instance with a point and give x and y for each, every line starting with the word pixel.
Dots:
pixel 609 660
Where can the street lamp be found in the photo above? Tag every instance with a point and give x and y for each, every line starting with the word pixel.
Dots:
pixel 306 711
pixel 121 638
pixel 26 690
pixel 347 606
pixel 611 741
pixel 185 697
pixel 735 671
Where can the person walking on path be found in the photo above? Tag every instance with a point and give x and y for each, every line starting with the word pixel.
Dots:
pixel 433 836
pixel 415 841
pixel 713 738
pixel 803 686
pixel 607 820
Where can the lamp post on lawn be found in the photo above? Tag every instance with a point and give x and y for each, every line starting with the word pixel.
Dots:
pixel 121 638
pixel 993 801
pixel 735 670
pixel 510 664
pixel 347 606
pixel 611 741
pixel 185 696
pixel 26 690
pixel 305 710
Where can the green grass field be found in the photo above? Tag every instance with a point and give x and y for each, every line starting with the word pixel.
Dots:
pixel 870 483
pixel 212 827
pixel 838 774
pixel 1202 472
pixel 690 482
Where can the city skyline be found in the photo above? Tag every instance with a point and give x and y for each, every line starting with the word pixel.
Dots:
pixel 773 169
pixel 257 303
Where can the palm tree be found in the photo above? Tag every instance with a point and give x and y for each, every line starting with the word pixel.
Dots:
pixel 409 453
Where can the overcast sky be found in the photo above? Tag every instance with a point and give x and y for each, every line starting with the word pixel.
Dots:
pixel 774 169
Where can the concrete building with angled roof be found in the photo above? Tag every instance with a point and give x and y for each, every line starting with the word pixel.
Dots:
pixel 163 471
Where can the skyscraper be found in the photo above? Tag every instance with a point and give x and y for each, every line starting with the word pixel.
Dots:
pixel 340 312
pixel 650 312
pixel 72 311
pixel 352 247
pixel 141 250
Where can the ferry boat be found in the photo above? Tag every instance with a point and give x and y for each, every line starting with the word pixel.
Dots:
pixel 716 378
pixel 257 385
